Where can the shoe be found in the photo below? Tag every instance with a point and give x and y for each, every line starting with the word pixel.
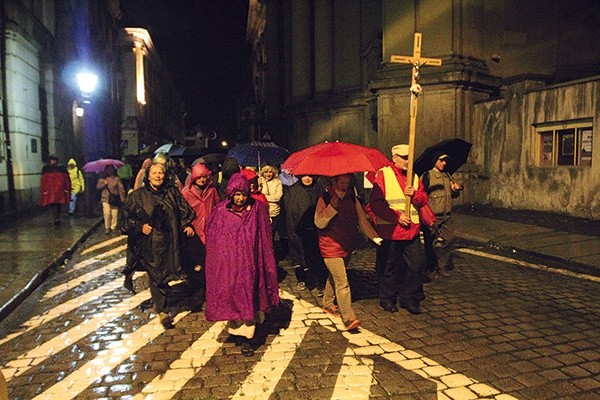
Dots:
pixel 146 304
pixel 411 306
pixel 352 324
pixel 388 306
pixel 332 310
pixel 128 284
pixel 247 349
pixel 166 320
pixel 301 286
pixel 319 292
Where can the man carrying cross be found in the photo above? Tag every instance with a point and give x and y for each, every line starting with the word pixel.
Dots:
pixel 395 199
pixel 400 253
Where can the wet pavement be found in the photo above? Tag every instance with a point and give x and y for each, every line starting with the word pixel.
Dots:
pixel 491 329
pixel 31 246
pixel 518 318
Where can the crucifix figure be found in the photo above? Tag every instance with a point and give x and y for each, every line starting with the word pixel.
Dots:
pixel 415 89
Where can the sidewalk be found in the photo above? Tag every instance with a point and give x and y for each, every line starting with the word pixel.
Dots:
pixel 568 242
pixel 31 247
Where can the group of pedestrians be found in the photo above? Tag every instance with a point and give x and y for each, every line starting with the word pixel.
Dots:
pixel 214 241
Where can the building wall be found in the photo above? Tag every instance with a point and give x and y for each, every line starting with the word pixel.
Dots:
pixel 508 148
pixel 332 82
pixel 38 120
pixel 161 118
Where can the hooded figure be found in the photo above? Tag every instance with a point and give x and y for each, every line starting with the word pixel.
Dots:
pixel 55 186
pixel 155 217
pixel 202 196
pixel 77 183
pixel 241 274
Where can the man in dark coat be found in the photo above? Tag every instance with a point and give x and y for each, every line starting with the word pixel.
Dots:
pixel 299 203
pixel 56 187
pixel 154 217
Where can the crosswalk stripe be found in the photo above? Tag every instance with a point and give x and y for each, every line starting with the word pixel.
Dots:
pixel 276 358
pixel 540 267
pixel 66 307
pixel 90 261
pixel 56 290
pixel 354 379
pixel 39 354
pixel 186 366
pixel 103 244
pixel 105 361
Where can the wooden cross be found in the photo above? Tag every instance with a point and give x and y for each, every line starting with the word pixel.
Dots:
pixel 415 89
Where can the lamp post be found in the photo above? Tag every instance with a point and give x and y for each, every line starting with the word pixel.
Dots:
pixel 87 82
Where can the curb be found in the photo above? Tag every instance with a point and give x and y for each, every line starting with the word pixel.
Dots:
pixel 41 276
pixel 552 262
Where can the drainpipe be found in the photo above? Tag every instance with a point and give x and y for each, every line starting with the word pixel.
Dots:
pixel 12 202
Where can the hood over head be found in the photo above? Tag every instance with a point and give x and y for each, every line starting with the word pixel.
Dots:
pixel 237 182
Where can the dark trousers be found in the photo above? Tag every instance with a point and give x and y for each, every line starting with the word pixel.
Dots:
pixel 399 264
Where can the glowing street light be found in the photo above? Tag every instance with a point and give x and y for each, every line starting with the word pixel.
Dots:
pixel 79 111
pixel 87 82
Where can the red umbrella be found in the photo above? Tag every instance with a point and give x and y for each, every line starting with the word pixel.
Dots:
pixel 99 165
pixel 335 158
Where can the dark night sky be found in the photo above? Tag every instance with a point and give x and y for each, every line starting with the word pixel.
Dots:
pixel 202 43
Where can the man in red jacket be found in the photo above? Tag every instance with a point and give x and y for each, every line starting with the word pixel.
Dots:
pixel 400 254
pixel 56 187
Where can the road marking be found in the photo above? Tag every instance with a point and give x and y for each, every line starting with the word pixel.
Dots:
pixel 70 284
pixel 265 375
pixel 105 361
pixel 42 352
pixel 186 366
pixel 66 307
pixel 103 244
pixel 531 265
pixel 83 264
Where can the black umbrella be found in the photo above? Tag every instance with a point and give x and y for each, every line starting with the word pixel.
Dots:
pixel 456 149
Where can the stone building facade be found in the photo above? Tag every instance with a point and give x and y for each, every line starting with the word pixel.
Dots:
pixel 509 69
pixel 152 110
pixel 44 43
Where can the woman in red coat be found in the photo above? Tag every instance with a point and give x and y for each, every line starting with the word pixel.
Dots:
pixel 56 187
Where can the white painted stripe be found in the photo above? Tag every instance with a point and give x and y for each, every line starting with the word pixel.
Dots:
pixel 102 244
pixel 183 369
pixel 531 265
pixel 265 375
pixel 355 378
pixel 66 307
pixel 56 290
pixel 105 361
pixel 58 343
pixel 92 260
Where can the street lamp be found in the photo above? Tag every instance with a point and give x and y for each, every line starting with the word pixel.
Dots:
pixel 87 82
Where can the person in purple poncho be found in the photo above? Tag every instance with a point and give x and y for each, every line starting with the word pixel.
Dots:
pixel 241 274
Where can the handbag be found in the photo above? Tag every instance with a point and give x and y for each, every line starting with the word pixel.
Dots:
pixel 113 199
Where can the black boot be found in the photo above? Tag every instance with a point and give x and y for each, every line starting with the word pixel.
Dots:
pixel 128 284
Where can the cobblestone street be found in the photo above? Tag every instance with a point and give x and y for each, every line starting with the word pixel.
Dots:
pixel 492 329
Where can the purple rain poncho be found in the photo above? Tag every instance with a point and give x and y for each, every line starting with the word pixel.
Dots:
pixel 241 274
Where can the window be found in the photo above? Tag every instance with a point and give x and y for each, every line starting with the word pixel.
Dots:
pixel 565 143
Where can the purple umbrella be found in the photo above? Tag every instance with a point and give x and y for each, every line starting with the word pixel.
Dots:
pixel 99 165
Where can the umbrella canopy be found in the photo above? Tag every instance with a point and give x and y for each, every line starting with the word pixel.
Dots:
pixel 456 149
pixel 99 165
pixel 170 149
pixel 212 158
pixel 257 153
pixel 335 158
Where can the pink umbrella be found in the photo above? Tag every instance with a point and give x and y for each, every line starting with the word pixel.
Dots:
pixel 99 165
